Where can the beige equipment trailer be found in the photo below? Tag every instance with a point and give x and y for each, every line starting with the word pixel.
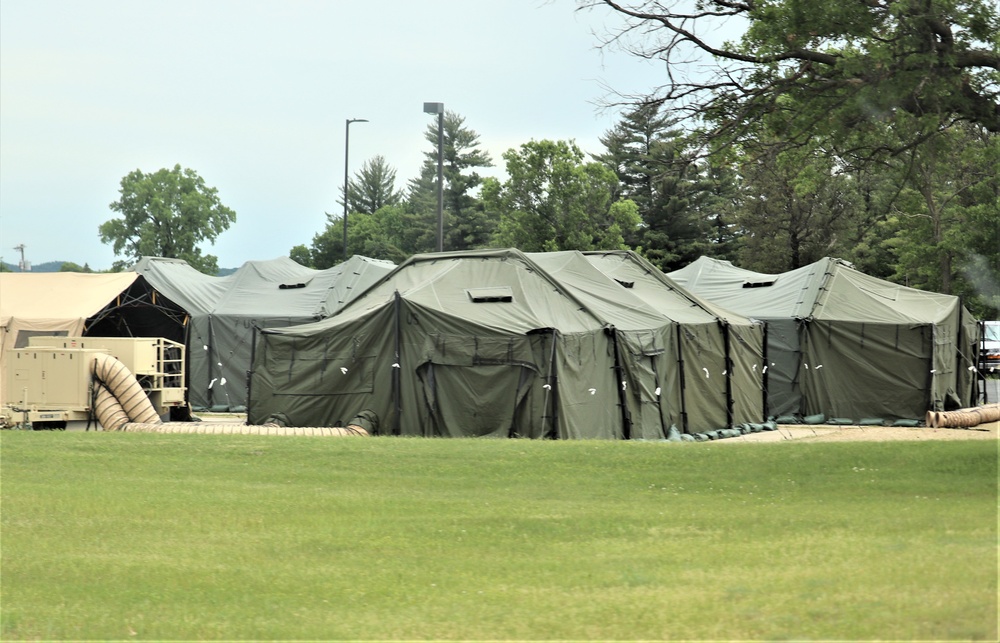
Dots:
pixel 50 383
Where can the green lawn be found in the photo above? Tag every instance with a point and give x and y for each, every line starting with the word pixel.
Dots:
pixel 147 536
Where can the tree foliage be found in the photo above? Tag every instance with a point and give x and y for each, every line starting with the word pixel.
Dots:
pixel 69 266
pixel 677 195
pixel 794 209
pixel 465 224
pixel 167 213
pixel 553 200
pixel 373 187
pixel 944 229
pixel 829 68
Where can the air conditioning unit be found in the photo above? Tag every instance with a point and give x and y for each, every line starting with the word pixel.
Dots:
pixel 50 383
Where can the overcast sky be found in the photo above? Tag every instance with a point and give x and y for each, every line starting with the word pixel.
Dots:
pixel 254 97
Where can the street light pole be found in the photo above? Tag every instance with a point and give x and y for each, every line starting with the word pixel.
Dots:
pixel 438 108
pixel 347 148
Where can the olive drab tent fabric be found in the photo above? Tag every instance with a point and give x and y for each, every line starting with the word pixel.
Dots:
pixel 70 304
pixel 507 344
pixel 846 345
pixel 743 338
pixel 224 311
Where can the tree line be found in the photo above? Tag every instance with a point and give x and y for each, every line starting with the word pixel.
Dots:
pixel 862 130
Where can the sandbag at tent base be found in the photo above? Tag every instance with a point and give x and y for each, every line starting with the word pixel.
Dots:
pixel 733 432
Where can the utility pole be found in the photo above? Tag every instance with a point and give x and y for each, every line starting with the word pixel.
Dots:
pixel 23 265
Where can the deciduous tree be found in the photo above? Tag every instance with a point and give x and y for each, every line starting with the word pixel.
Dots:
pixel 167 213
pixel 553 200
pixel 828 68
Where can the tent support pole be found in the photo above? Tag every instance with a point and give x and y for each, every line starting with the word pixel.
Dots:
pixel 930 369
pixel 253 356
pixel 620 385
pixel 680 371
pixel 727 343
pixel 553 415
pixel 397 403
pixel 764 375
pixel 659 398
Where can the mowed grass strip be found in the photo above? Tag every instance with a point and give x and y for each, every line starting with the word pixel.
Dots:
pixel 146 536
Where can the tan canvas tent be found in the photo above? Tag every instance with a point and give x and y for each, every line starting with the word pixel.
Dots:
pixel 76 304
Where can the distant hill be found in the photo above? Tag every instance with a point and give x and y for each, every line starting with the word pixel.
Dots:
pixel 48 266
pixel 56 266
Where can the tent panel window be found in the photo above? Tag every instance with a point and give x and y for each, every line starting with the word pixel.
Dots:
pixel 490 294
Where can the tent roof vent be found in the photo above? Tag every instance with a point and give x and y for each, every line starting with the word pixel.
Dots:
pixel 626 284
pixel 290 286
pixel 490 294
pixel 757 284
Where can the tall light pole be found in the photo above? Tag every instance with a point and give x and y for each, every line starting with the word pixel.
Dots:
pixel 347 149
pixel 438 108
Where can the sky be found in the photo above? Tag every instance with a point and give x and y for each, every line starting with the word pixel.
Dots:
pixel 254 96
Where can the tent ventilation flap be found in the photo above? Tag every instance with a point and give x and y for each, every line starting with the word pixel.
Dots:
pixel 490 294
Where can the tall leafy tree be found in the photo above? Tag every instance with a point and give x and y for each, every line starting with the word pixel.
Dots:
pixel 677 195
pixel 554 200
pixel 389 233
pixel 466 225
pixel 945 225
pixel 657 171
pixel 167 213
pixel 846 65
pixel 793 207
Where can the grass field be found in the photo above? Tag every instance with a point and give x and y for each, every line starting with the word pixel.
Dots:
pixel 118 536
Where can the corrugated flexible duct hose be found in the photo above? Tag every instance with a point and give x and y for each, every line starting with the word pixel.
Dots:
pixel 121 404
pixel 964 418
pixel 120 394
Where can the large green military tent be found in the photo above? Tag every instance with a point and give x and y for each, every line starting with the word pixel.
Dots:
pixel 502 343
pixel 846 345
pixel 224 311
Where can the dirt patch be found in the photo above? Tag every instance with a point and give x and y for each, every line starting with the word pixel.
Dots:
pixel 801 432
pixel 827 433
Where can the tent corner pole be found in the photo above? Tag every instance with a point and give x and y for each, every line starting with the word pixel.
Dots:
pixel 728 347
pixel 620 385
pixel 764 374
pixel 396 383
pixel 680 371
pixel 253 356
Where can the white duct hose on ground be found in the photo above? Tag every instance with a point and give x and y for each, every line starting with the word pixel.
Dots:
pixel 121 404
pixel 963 418
pixel 218 428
